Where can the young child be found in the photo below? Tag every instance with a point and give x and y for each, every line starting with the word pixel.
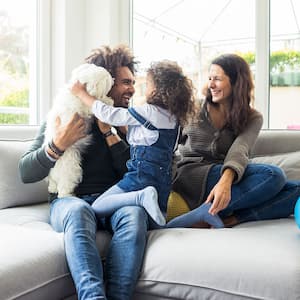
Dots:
pixel 153 132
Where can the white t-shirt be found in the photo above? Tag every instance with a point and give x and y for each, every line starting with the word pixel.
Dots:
pixel 137 134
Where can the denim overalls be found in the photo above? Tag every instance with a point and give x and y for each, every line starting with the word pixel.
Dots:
pixel 151 165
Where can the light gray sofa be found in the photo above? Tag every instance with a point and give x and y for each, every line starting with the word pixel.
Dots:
pixel 256 260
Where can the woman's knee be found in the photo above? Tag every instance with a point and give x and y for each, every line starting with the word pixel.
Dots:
pixel 278 175
pixel 272 172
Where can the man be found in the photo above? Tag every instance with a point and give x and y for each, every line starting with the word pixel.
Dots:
pixel 104 163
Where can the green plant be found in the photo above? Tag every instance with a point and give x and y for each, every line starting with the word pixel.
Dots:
pixel 282 67
pixel 249 57
pixel 14 119
pixel 16 98
pixel 284 60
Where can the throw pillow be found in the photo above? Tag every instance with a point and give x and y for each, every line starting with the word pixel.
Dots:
pixel 289 162
pixel 176 206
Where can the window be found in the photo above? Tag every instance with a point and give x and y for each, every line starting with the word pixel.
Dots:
pixel 19 61
pixel 285 64
pixel 193 32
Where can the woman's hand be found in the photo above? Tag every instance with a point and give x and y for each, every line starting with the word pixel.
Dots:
pixel 220 195
pixel 70 133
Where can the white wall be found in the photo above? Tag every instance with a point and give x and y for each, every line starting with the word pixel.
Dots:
pixel 78 26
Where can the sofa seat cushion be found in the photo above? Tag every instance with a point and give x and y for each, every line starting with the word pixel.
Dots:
pixel 32 258
pixel 35 216
pixel 32 264
pixel 256 260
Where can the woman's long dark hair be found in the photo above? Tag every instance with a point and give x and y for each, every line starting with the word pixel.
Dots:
pixel 173 90
pixel 238 71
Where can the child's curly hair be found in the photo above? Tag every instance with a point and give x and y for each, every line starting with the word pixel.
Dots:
pixel 173 90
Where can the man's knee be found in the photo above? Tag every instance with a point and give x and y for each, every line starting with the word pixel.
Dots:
pixel 75 213
pixel 134 218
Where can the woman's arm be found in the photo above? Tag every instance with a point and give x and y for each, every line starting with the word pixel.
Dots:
pixel 238 155
pixel 234 164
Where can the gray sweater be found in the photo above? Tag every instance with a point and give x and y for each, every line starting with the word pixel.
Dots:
pixel 204 146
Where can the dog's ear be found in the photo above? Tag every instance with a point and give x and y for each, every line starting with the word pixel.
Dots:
pixel 98 80
pixel 104 83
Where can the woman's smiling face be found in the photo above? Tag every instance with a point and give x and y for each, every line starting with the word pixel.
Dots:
pixel 219 84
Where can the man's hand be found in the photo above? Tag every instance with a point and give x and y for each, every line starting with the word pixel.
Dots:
pixel 70 133
pixel 103 127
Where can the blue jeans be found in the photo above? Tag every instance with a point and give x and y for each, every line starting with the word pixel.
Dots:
pixel 75 218
pixel 262 194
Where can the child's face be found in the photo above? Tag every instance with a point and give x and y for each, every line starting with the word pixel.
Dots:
pixel 150 88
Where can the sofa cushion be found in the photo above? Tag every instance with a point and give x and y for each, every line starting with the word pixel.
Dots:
pixel 32 263
pixel 32 260
pixel 289 162
pixel 256 260
pixel 34 216
pixel 13 192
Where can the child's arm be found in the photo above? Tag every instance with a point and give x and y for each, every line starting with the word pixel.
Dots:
pixel 79 90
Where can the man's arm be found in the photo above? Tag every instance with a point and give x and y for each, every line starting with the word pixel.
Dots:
pixel 119 148
pixel 34 164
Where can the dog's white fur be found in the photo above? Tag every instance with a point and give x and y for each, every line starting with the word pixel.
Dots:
pixel 67 172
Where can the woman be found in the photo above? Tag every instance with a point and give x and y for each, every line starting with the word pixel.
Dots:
pixel 214 155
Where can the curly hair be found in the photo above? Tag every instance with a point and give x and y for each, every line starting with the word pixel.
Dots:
pixel 173 90
pixel 113 58
pixel 238 71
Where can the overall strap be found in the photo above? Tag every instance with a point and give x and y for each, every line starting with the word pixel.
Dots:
pixel 147 124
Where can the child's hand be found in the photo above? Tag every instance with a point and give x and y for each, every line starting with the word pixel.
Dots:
pixel 78 89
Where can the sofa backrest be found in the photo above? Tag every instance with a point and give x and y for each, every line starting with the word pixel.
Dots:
pixel 280 148
pixel 272 142
pixel 12 191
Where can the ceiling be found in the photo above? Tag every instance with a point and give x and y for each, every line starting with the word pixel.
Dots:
pixel 208 21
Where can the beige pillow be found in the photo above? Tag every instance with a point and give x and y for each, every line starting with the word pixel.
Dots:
pixel 289 162
pixel 12 191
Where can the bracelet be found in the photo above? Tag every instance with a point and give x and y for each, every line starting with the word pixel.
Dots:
pixel 54 148
pixel 52 154
pixel 107 134
pixel 111 131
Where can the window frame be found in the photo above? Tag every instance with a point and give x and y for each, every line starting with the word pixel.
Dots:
pixel 262 48
pixel 39 80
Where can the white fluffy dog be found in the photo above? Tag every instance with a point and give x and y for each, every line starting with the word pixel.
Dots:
pixel 67 172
